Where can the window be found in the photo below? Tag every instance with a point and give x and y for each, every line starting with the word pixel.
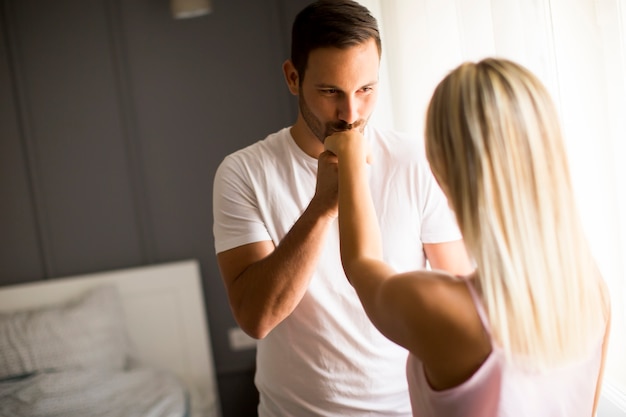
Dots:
pixel 578 49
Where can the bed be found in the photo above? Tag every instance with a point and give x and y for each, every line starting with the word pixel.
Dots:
pixel 131 342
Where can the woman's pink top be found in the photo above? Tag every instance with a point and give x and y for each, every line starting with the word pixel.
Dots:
pixel 500 389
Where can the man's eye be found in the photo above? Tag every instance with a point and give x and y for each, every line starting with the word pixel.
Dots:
pixel 329 91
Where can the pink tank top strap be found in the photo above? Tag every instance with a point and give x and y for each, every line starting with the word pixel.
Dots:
pixel 480 308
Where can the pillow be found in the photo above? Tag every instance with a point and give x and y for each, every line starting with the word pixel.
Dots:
pixel 86 333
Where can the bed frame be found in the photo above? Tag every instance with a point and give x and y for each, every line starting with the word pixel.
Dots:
pixel 165 317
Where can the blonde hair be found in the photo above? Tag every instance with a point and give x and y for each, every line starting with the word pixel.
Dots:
pixel 494 144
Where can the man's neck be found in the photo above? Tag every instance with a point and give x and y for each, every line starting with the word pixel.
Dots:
pixel 306 140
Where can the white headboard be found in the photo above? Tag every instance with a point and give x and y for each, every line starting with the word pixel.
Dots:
pixel 165 314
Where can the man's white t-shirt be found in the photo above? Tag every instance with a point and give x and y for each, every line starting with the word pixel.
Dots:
pixel 326 358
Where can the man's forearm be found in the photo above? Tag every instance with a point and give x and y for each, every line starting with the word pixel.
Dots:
pixel 270 289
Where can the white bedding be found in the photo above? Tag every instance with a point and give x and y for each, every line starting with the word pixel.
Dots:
pixel 62 354
pixel 134 393
pixel 75 359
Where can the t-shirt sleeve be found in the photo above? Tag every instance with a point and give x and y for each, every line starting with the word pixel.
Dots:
pixel 236 216
pixel 439 223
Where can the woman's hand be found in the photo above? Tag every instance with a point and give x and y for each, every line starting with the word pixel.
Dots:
pixel 348 143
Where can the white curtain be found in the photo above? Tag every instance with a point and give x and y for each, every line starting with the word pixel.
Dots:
pixel 578 49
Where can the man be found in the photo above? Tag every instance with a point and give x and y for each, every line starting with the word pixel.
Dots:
pixel 276 236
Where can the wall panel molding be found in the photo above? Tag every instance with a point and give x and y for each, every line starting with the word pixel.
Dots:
pixel 25 135
pixel 128 117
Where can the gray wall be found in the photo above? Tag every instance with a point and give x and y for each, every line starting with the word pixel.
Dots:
pixel 113 119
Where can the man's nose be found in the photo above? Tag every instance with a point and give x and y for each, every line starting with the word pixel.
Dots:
pixel 348 110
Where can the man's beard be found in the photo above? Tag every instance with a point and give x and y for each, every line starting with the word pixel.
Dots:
pixel 322 131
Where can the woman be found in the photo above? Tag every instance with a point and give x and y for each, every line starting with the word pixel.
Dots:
pixel 526 333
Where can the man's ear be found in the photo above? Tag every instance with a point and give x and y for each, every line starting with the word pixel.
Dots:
pixel 291 77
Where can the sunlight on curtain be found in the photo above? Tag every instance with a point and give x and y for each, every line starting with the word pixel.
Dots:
pixel 578 49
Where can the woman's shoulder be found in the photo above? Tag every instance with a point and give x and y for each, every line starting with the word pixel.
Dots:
pixel 452 341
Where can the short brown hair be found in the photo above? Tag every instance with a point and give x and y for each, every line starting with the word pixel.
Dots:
pixel 330 23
